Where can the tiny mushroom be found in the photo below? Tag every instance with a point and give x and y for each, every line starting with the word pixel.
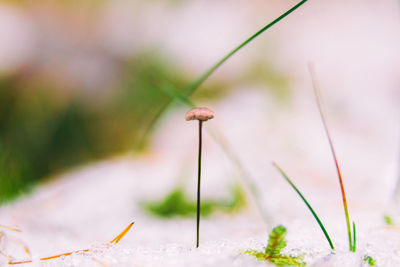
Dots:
pixel 201 114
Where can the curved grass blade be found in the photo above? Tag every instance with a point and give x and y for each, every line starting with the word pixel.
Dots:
pixel 346 210
pixel 199 81
pixel 307 204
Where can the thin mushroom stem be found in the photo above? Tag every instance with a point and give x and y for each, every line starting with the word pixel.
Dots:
pixel 201 114
pixel 198 184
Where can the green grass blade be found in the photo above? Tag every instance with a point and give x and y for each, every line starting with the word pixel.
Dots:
pixel 175 95
pixel 307 204
pixel 199 81
pixel 346 209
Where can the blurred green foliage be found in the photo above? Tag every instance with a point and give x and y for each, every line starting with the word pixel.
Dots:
pixel 178 204
pixel 42 133
pixel 266 74
pixel 44 130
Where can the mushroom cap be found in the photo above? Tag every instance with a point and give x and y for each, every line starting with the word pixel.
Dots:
pixel 199 113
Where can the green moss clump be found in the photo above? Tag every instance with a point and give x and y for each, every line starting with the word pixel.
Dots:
pixel 273 252
pixel 370 260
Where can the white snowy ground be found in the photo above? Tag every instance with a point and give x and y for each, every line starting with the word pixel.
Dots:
pixel 357 63
pixel 88 207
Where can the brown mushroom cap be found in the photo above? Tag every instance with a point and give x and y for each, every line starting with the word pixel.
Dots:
pixel 200 113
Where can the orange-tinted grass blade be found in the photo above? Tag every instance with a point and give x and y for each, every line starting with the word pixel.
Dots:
pixel 122 234
pixel 64 254
pixel 51 257
pixel 114 241
pixel 10 228
pixel 346 210
pixel 19 262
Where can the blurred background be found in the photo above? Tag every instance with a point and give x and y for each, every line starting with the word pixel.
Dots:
pixel 84 81
pixel 80 81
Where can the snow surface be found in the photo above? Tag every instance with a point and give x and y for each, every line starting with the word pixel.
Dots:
pixel 87 207
pixel 358 74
